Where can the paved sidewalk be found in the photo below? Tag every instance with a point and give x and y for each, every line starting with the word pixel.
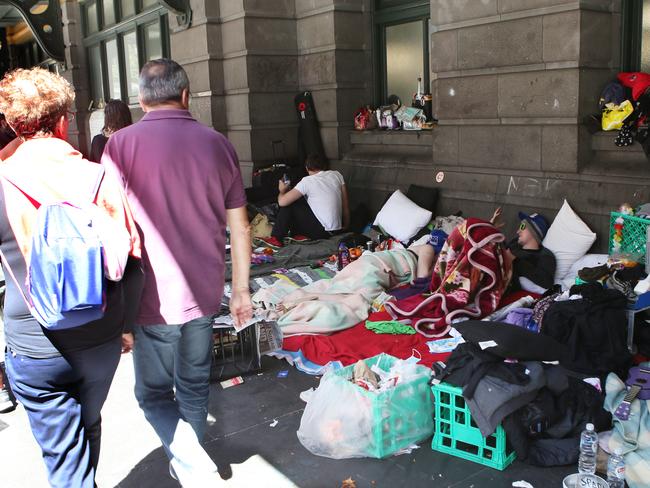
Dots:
pixel 127 438
pixel 245 427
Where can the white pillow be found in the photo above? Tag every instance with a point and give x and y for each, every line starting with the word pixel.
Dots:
pixel 402 218
pixel 569 238
pixel 586 261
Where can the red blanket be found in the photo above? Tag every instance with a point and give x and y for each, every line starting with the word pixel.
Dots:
pixel 350 345
pixel 468 280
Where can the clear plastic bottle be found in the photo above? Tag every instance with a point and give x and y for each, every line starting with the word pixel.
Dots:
pixel 418 97
pixel 616 469
pixel 588 450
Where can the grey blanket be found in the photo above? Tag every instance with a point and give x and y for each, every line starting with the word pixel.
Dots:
pixel 300 276
pixel 294 255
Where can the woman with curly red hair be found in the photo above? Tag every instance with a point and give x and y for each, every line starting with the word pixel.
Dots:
pixel 61 377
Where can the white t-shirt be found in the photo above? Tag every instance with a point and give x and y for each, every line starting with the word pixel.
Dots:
pixel 323 194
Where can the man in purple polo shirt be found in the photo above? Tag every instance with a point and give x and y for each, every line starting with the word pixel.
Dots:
pixel 184 185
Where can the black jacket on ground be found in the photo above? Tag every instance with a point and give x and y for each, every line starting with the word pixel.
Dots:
pixel 594 328
pixel 546 432
pixel 468 364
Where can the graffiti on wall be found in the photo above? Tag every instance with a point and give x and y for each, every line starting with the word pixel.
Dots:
pixel 526 186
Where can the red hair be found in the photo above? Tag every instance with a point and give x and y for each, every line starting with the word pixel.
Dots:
pixel 33 100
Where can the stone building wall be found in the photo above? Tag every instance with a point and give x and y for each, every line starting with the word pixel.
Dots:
pixel 512 81
pixel 76 73
pixel 335 53
pixel 247 59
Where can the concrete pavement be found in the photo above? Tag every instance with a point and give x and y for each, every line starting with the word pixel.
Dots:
pixel 127 438
pixel 256 424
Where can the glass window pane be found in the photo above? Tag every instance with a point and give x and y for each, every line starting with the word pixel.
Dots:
pixel 128 8
pixel 96 86
pixel 152 41
pixel 404 59
pixel 91 18
pixel 131 65
pixel 645 37
pixel 109 12
pixel 113 69
pixel 148 3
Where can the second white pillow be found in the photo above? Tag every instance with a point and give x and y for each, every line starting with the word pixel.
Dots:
pixel 569 238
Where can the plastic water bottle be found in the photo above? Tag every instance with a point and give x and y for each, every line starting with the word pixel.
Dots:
pixel 616 470
pixel 588 450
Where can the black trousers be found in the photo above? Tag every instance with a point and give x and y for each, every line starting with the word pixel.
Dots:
pixel 298 218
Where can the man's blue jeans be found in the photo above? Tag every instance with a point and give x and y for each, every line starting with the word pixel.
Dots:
pixel 172 384
pixel 63 398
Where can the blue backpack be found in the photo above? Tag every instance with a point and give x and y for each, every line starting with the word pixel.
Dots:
pixel 66 271
pixel 66 276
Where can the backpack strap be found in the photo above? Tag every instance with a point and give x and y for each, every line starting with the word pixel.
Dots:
pixel 31 198
pixel 6 262
pixel 13 277
pixel 100 178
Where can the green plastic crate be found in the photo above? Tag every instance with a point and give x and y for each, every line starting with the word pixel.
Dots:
pixel 634 235
pixel 457 434
pixel 402 415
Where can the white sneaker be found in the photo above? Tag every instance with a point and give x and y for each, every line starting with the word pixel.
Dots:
pixel 255 471
pixel 214 480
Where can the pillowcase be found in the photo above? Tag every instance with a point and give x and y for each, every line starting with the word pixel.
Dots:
pixel 401 218
pixel 569 238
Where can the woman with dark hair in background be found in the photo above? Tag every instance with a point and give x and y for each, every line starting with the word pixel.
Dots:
pixel 117 115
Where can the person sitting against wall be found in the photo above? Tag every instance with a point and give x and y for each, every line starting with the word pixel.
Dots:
pixel 316 208
pixel 533 266
pixel 117 115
